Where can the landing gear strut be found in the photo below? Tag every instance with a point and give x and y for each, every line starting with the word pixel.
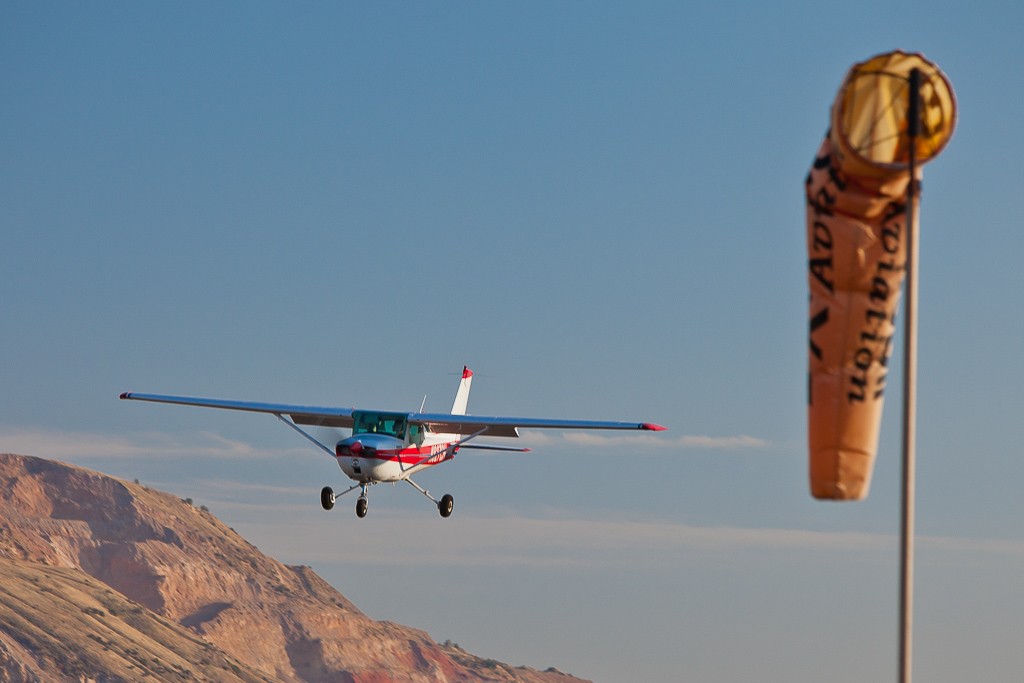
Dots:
pixel 444 506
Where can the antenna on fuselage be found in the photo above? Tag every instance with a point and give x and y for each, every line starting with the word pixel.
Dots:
pixel 423 403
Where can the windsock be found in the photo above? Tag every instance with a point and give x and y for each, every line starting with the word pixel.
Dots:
pixel 857 202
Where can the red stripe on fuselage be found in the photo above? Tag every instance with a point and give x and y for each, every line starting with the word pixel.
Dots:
pixel 435 454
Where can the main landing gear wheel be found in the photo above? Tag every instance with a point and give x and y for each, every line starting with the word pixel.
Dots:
pixel 327 497
pixel 361 507
pixel 446 505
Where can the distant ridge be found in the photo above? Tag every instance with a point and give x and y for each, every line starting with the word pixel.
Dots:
pixel 104 580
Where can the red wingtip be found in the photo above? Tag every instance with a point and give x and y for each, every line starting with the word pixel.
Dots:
pixel 466 372
pixel 651 427
pixel 125 395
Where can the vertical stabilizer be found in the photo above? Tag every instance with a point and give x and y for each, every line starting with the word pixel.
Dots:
pixel 462 396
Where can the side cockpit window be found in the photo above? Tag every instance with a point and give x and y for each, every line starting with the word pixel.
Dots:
pixel 417 432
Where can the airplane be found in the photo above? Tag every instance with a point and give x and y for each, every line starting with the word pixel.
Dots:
pixel 390 446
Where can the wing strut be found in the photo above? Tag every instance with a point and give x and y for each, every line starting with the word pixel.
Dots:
pixel 291 424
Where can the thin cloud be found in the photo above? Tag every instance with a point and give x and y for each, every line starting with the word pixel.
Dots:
pixel 552 543
pixel 231 486
pixel 70 446
pixel 971 547
pixel 646 441
pixel 482 542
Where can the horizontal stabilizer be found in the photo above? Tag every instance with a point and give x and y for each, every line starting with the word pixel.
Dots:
pixel 494 448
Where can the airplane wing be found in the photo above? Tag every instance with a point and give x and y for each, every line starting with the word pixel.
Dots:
pixel 303 415
pixel 509 426
pixel 437 422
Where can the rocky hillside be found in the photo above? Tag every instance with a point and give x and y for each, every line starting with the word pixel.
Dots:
pixel 60 624
pixel 190 598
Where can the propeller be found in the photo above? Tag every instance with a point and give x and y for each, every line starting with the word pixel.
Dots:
pixel 358 449
pixel 331 435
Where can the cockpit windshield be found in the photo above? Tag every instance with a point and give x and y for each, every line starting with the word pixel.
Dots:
pixel 392 424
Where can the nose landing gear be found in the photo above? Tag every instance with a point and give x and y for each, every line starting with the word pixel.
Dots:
pixel 362 503
pixel 328 497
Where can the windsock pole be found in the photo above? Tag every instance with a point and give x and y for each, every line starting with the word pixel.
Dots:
pixel 909 394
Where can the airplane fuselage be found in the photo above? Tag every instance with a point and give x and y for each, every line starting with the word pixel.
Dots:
pixel 368 457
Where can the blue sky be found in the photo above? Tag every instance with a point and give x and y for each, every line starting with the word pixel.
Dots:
pixel 596 206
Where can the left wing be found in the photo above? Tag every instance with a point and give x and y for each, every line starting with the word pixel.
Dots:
pixel 509 426
pixel 303 415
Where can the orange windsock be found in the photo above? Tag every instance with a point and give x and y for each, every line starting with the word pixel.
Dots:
pixel 857 204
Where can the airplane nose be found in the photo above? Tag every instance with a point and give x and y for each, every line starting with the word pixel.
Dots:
pixel 347 447
pixel 355 449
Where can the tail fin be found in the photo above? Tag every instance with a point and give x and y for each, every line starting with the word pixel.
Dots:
pixel 462 396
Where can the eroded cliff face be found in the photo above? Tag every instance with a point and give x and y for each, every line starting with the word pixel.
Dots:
pixel 185 566
pixel 59 625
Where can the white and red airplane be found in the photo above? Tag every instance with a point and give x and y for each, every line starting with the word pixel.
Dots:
pixel 389 446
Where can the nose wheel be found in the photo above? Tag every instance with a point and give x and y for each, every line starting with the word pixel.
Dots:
pixel 361 505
